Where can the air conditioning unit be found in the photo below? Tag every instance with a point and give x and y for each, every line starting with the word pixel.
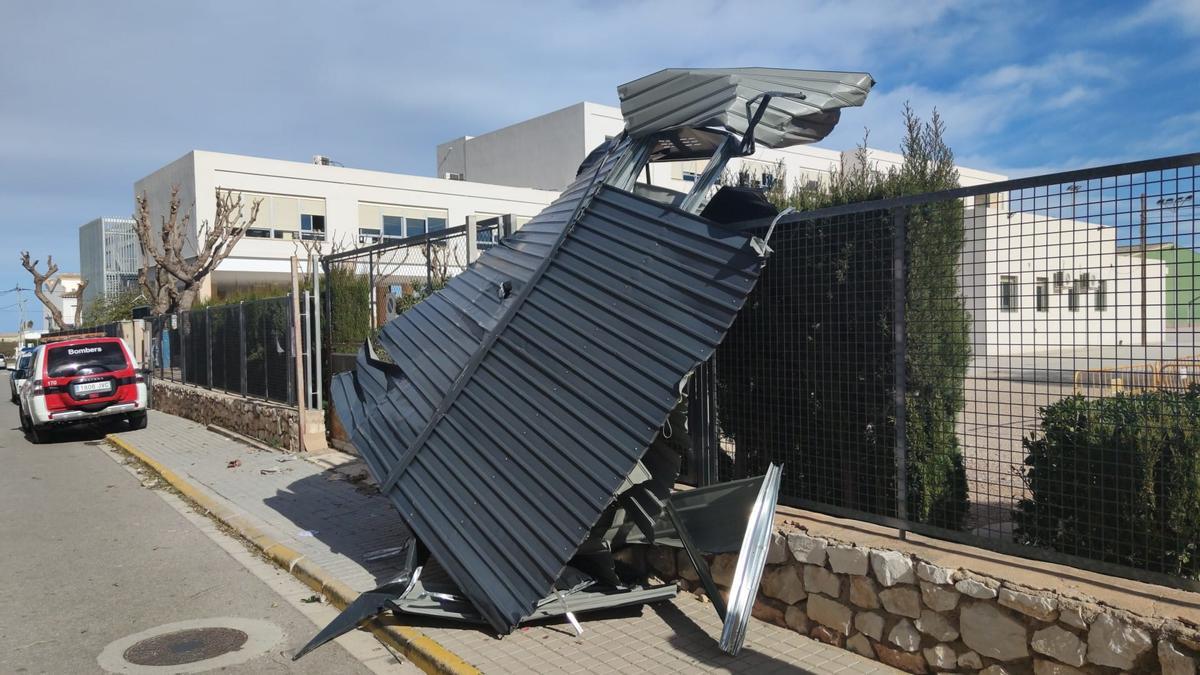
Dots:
pixel 1061 279
pixel 322 160
pixel 452 175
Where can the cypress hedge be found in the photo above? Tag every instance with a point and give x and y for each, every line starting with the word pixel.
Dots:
pixel 805 376
pixel 1117 479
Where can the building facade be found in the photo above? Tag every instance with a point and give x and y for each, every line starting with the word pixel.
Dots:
pixel 64 295
pixel 318 207
pixel 1039 283
pixel 545 152
pixel 1182 295
pixel 109 257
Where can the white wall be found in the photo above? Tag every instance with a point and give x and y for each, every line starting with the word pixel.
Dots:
pixel 1030 246
pixel 543 152
pixel 338 191
pixel 68 283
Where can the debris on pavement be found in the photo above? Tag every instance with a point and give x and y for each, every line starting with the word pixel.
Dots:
pixel 523 420
pixel 384 553
pixel 233 464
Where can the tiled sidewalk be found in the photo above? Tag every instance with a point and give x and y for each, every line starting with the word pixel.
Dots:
pixel 335 519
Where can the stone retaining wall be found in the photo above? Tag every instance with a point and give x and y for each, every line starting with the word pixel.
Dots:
pixel 273 424
pixel 922 618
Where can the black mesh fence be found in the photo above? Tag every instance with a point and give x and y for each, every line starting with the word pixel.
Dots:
pixel 243 349
pixel 365 288
pixel 1012 365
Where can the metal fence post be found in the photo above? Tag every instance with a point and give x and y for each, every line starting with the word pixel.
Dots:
pixel 266 367
pixel 899 357
pixel 702 424
pixel 472 239
pixel 371 287
pixel 291 351
pixel 208 346
pixel 428 266
pixel 317 348
pixel 183 357
pixel 306 350
pixel 242 344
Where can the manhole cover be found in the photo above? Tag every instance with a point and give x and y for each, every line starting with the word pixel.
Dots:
pixel 192 646
pixel 185 646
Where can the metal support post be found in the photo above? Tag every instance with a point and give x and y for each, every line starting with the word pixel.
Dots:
pixel 297 357
pixel 306 346
pixel 899 357
pixel 428 267
pixel 208 346
pixel 242 344
pixel 318 352
pixel 472 239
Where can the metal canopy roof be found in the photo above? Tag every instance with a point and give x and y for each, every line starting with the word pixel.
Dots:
pixel 524 393
pixel 804 108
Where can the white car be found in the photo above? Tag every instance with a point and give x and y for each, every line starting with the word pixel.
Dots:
pixel 84 380
pixel 17 376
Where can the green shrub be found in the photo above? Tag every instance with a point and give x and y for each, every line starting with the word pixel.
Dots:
pixel 1117 479
pixel 119 307
pixel 350 322
pixel 805 376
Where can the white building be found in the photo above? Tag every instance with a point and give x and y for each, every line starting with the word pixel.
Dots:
pixel 545 152
pixel 109 257
pixel 1035 283
pixel 1032 283
pixel 321 205
pixel 66 285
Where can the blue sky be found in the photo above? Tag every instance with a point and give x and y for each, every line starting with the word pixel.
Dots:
pixel 99 94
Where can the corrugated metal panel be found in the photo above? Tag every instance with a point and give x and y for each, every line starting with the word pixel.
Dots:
pixel 676 98
pixel 544 401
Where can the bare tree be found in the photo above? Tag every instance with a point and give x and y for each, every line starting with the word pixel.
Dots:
pixel 77 296
pixel 177 277
pixel 44 285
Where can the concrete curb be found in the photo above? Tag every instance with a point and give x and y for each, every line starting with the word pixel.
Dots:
pixel 419 648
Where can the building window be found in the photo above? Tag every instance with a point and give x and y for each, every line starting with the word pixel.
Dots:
pixel 393 227
pixel 1008 294
pixel 1042 298
pixel 399 227
pixel 312 226
pixel 1073 298
pixel 689 176
pixel 766 180
pixel 1102 296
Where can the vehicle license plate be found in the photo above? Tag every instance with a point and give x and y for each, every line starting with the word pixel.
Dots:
pixel 89 387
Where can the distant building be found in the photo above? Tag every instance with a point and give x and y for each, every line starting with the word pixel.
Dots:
pixel 509 174
pixel 1182 298
pixel 1035 283
pixel 544 153
pixel 322 205
pixel 109 257
pixel 63 297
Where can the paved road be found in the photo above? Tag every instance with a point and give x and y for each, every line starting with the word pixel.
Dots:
pixel 88 556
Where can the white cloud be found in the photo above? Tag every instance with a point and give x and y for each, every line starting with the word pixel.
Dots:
pixel 1181 14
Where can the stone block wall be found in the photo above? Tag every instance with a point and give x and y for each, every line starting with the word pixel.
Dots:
pixel 923 618
pixel 273 424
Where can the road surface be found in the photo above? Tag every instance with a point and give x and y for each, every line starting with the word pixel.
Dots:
pixel 88 556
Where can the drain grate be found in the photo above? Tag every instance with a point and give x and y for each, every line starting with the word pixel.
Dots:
pixel 185 646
